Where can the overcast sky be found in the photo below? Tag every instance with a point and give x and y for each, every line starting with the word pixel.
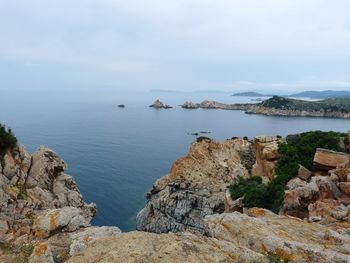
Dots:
pixel 184 45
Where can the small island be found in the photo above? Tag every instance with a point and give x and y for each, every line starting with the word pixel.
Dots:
pixel 250 94
pixel 281 106
pixel 160 105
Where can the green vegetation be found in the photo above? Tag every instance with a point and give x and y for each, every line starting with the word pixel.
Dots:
pixel 248 158
pixel 299 149
pixel 201 138
pixel 327 105
pixel 7 139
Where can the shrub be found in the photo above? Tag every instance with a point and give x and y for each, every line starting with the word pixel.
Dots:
pixel 7 139
pixel 299 149
pixel 201 138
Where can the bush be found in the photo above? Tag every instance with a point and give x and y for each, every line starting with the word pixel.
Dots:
pixel 299 149
pixel 201 138
pixel 7 139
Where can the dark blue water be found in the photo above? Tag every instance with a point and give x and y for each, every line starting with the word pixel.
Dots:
pixel 116 154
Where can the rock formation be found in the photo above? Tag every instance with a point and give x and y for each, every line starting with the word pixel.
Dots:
pixel 194 188
pixel 266 150
pixel 190 105
pixel 41 206
pixel 271 107
pixel 160 105
pixel 257 236
pixel 43 218
pixel 327 160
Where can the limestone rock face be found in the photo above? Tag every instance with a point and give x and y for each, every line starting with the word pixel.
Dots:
pixel 172 248
pixel 291 239
pixel 266 149
pixel 159 105
pixel 194 188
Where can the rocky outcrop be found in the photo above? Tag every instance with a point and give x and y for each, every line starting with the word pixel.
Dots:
pixel 323 198
pixel 267 155
pixel 160 105
pixel 327 160
pixel 190 105
pixel 257 236
pixel 267 108
pixel 194 188
pixel 42 210
pixel 284 238
pixel 172 248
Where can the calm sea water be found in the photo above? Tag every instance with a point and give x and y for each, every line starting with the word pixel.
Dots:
pixel 116 154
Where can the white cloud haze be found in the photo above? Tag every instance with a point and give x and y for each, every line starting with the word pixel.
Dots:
pixel 175 44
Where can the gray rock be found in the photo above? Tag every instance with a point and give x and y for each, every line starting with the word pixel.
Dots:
pixel 65 219
pixel 81 239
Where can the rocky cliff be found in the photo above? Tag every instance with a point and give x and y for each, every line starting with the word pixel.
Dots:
pixel 194 188
pixel 41 209
pixel 43 217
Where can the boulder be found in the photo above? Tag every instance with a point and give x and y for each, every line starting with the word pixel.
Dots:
pixel 66 219
pixel 327 159
pixel 46 166
pixel 304 173
pixel 295 183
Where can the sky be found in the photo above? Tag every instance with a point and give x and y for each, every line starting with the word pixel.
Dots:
pixel 186 45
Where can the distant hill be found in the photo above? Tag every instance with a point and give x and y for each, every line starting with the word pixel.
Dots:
pixel 327 105
pixel 325 94
pixel 250 94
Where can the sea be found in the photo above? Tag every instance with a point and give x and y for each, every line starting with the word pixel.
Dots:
pixel 116 154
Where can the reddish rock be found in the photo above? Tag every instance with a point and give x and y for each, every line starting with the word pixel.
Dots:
pixel 304 173
pixel 345 188
pixel 326 160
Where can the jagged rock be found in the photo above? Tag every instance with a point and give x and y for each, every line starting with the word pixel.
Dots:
pixel 170 248
pixel 318 198
pixel 66 219
pixel 190 105
pixel 304 173
pixel 327 159
pixel 293 240
pixel 46 166
pixel 30 188
pixel 160 105
pixel 295 183
pixel 194 188
pixel 266 149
